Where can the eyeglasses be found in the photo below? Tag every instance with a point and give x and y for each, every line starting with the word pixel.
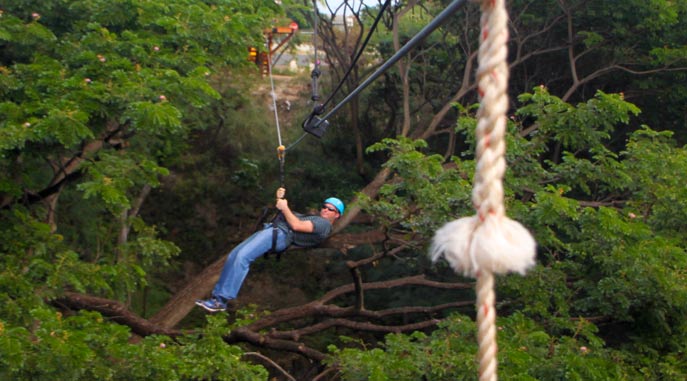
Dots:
pixel 329 208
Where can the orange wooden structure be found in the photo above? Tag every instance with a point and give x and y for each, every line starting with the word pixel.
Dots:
pixel 261 57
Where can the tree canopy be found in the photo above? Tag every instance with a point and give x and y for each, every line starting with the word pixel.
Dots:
pixel 135 145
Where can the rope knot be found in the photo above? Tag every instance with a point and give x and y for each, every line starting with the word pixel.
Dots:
pixel 490 243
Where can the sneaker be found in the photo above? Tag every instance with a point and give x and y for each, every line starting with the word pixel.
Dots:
pixel 212 305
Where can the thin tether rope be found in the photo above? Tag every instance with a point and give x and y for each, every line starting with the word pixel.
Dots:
pixel 315 73
pixel 274 97
pixel 281 150
pixel 295 142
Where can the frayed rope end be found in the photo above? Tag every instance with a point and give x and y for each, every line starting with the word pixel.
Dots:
pixel 497 244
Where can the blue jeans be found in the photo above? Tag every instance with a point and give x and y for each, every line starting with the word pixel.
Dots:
pixel 238 262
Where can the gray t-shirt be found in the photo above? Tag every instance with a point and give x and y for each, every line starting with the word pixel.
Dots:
pixel 322 228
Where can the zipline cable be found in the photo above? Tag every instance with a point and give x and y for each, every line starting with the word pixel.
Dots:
pixel 297 141
pixel 428 29
pixel 281 155
pixel 274 98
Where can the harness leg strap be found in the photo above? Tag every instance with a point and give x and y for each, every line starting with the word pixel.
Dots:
pixel 275 231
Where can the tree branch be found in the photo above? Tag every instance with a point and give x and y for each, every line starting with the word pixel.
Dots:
pixel 319 307
pixel 116 310
pixel 286 340
pixel 126 216
pixel 355 325
pixel 248 336
pixel 270 362
pixel 69 168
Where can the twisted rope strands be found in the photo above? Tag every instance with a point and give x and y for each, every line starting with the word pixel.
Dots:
pixel 487 193
pixel 492 81
pixel 486 327
pixel 488 242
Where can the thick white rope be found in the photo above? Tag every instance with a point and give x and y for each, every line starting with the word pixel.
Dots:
pixel 488 242
pixel 486 326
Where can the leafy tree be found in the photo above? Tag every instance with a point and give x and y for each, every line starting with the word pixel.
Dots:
pixel 99 102
pixel 527 351
pixel 610 263
pixel 96 98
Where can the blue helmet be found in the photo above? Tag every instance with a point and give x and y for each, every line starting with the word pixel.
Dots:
pixel 338 204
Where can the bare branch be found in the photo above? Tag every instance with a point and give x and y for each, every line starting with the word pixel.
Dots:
pixel 319 307
pixel 664 69
pixel 355 325
pixel 358 283
pixel 248 336
pixel 287 340
pixel 270 362
pixel 374 258
pixel 126 216
pixel 325 373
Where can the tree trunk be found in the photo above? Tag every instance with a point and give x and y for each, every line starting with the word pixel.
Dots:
pixel 370 190
pixel 183 301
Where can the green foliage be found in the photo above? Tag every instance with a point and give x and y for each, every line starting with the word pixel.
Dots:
pixel 87 347
pixel 422 191
pixel 37 245
pixel 527 352
pixel 98 98
pixel 114 175
pixel 162 117
pixel 101 99
pixel 658 188
pixel 609 223
pixel 591 39
pixel 37 343
pixel 584 126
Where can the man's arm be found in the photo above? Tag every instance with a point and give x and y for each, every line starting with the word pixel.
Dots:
pixel 294 222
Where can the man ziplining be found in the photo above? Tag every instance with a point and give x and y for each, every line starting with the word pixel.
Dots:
pixel 293 229
pixel 287 229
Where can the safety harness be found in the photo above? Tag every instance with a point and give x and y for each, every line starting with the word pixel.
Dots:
pixel 275 230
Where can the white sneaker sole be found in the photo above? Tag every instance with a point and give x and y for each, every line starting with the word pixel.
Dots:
pixel 202 305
